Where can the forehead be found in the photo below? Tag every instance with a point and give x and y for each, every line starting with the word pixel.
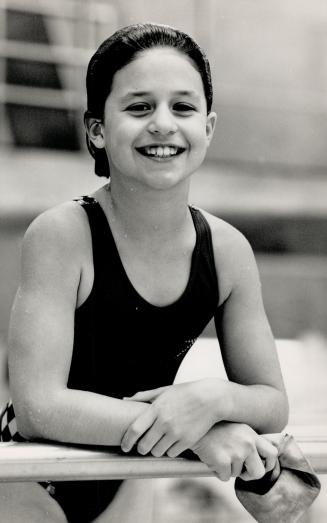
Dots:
pixel 162 68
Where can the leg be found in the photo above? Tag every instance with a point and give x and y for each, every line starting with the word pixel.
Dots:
pixel 133 503
pixel 28 502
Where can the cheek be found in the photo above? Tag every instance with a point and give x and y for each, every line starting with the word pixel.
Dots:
pixel 120 149
pixel 198 137
pixel 199 141
pixel 125 132
pixel 198 128
pixel 116 137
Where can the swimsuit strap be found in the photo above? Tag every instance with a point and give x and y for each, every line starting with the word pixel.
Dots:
pixel 103 243
pixel 203 231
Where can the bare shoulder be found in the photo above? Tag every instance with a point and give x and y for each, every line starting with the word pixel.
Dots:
pixel 57 246
pixel 234 257
pixel 226 239
pixel 61 225
pixel 59 232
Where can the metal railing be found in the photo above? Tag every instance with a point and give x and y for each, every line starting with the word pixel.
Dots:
pixel 43 461
pixel 88 19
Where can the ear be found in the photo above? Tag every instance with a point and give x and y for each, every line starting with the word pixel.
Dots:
pixel 94 129
pixel 210 126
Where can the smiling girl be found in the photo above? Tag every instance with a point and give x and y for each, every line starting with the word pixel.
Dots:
pixel 117 286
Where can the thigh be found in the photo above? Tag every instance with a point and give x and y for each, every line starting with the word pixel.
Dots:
pixel 133 503
pixel 28 503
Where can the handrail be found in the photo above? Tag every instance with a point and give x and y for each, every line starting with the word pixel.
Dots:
pixel 98 11
pixel 45 53
pixel 47 461
pixel 41 97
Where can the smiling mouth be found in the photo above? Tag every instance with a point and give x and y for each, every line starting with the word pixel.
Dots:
pixel 160 151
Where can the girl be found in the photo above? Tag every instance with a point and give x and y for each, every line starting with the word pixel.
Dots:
pixel 117 286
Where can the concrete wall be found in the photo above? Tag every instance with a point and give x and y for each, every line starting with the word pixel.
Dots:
pixel 294 283
pixel 270 77
pixel 269 69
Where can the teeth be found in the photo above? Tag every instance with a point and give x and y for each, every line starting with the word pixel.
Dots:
pixel 161 151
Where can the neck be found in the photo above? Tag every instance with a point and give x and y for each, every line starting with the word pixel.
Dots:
pixel 145 213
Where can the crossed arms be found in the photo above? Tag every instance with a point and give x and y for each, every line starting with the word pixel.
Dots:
pixel 221 421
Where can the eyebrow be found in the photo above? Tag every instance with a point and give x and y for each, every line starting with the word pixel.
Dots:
pixel 140 94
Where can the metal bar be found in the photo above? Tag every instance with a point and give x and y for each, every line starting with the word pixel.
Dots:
pixel 303 100
pixel 5 134
pixel 57 54
pixel 42 461
pixel 100 13
pixel 41 97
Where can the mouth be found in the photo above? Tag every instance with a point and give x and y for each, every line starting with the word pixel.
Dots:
pixel 160 151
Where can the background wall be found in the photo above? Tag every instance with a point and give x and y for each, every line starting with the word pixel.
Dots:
pixel 265 171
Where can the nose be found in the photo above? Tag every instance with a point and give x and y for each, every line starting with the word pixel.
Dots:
pixel 162 122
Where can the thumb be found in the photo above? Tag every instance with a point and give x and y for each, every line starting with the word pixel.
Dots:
pixel 268 450
pixel 147 395
pixel 275 439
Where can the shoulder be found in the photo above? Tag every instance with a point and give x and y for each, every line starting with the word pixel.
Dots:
pixel 226 239
pixel 234 257
pixel 58 228
pixel 61 221
pixel 56 243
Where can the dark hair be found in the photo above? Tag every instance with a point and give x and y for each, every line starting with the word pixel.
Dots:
pixel 119 50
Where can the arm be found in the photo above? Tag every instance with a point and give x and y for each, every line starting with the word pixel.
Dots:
pixel 255 394
pixel 236 450
pixel 41 339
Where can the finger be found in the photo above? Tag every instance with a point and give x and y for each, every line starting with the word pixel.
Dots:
pixel 268 452
pixel 223 469
pixel 150 439
pixel 163 446
pixel 254 467
pixel 177 449
pixel 137 429
pixel 146 395
pixel 275 439
pixel 237 467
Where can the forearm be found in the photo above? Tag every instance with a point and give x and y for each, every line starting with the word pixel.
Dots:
pixel 75 416
pixel 262 407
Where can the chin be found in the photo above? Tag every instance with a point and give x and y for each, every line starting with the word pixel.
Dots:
pixel 165 181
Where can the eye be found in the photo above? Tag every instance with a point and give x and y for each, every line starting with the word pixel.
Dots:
pixel 183 107
pixel 139 108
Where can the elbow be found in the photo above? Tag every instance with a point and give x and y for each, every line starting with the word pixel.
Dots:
pixel 284 414
pixel 281 414
pixel 284 410
pixel 279 424
pixel 276 414
pixel 31 418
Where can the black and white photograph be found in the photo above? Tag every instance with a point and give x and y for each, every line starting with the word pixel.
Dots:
pixel 163 261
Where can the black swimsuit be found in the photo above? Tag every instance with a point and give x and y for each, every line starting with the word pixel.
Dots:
pixel 124 344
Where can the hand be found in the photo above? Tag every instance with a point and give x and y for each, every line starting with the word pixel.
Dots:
pixel 148 396
pixel 179 415
pixel 234 449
